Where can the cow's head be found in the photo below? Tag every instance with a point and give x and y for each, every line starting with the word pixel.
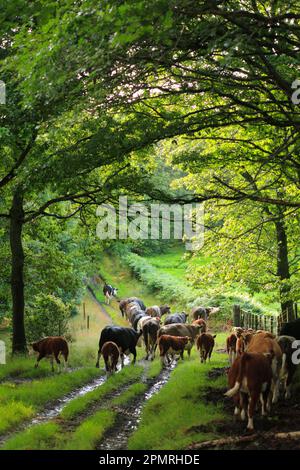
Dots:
pixel 114 291
pixel 164 309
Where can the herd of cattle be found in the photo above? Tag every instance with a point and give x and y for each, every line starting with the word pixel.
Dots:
pixel 172 336
pixel 259 361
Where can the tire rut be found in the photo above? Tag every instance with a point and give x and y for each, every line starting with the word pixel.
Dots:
pixel 129 415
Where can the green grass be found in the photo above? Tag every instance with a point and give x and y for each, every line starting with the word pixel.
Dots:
pixel 129 394
pixel 154 368
pixel 39 437
pixel 23 401
pixel 13 413
pixel 170 419
pixel 80 404
pixel 90 431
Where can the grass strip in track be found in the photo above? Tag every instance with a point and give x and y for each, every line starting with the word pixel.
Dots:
pixel 90 431
pixel 129 394
pixel 166 425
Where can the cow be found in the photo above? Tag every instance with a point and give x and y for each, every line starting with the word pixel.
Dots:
pixel 249 379
pixel 157 311
pixel 171 345
pixel 111 354
pixel 240 345
pixel 125 338
pixel 130 309
pixel 136 316
pixel 176 318
pixel 142 321
pixel 203 312
pixel 265 334
pixel 288 366
pixel 109 292
pixel 124 302
pixel 150 329
pixel 260 343
pixel 231 347
pixel 52 347
pixel 205 344
pixel 291 329
pixel 202 323
pixel 180 329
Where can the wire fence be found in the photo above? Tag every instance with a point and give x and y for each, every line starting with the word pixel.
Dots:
pixel 272 323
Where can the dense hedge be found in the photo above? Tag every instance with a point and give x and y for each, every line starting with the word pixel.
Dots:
pixel 171 289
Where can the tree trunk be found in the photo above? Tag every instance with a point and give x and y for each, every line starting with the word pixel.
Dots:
pixel 283 270
pixel 17 268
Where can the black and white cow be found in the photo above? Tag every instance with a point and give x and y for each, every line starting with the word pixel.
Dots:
pixel 109 292
pixel 125 338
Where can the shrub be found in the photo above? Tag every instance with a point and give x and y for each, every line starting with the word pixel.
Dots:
pixel 48 315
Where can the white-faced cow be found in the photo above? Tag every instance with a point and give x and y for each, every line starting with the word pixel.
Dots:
pixel 109 292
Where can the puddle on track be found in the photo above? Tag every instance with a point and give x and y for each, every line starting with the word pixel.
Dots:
pixel 128 419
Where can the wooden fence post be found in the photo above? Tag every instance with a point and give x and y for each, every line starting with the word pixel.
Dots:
pixel 256 322
pixel 83 310
pixel 88 322
pixel 271 325
pixel 296 310
pixel 236 315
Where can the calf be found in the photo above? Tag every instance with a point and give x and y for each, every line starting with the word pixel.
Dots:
pixel 250 378
pixel 111 354
pixel 172 345
pixel 176 318
pixel 51 347
pixel 181 329
pixel 268 346
pixel 288 367
pixel 201 323
pixel 109 292
pixel 125 338
pixel 205 344
pixel 240 345
pixel 231 347
pixel 150 329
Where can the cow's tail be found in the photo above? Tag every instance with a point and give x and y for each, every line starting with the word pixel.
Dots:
pixel 240 375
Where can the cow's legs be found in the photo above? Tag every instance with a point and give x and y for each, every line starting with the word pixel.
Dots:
pixel 288 383
pixel 98 358
pixel 52 363
pixel 122 360
pixel 40 357
pixel 133 351
pixel 243 405
pixel 251 407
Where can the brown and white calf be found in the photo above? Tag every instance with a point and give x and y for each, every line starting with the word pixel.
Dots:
pixel 231 347
pixel 205 345
pixel 171 345
pixel 264 344
pixel 201 323
pixel 111 355
pixel 52 347
pixel 250 379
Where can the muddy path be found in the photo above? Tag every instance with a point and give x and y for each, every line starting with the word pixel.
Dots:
pixel 129 415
